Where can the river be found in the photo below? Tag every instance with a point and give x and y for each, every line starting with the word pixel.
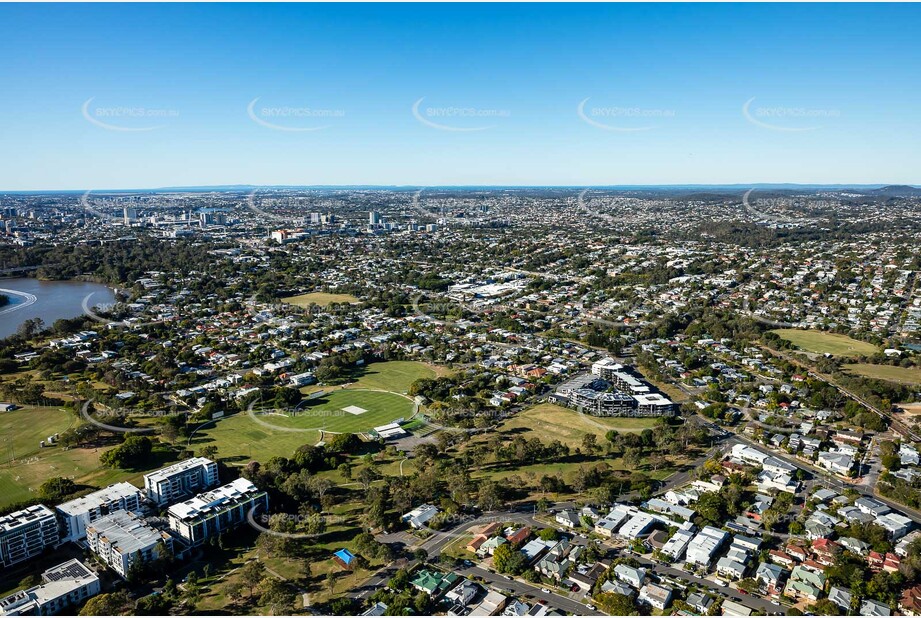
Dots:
pixel 48 300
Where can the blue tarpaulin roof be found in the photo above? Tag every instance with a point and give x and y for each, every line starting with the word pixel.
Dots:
pixel 345 555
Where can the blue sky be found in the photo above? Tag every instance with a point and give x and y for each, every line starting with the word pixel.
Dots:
pixel 140 96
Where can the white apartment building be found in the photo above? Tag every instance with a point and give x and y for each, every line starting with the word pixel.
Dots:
pixel 63 586
pixel 26 533
pixel 77 514
pixel 122 538
pixel 211 513
pixel 180 481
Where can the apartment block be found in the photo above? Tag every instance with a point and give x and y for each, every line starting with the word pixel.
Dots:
pixel 63 586
pixel 26 533
pixel 77 514
pixel 180 481
pixel 213 512
pixel 121 538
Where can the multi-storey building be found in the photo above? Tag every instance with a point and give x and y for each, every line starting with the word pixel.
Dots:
pixel 121 538
pixel 211 513
pixel 180 481
pixel 77 514
pixel 26 533
pixel 63 586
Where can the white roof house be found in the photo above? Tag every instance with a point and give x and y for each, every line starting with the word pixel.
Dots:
pixel 676 545
pixel 702 547
pixel 420 515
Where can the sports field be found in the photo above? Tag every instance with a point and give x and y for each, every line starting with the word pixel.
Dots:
pixel 548 422
pixel 900 375
pixel 820 342
pixel 373 399
pixel 318 298
pixel 24 466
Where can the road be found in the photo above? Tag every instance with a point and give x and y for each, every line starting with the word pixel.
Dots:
pixel 834 483
pixel 439 540
pixel 894 422
pixel 754 602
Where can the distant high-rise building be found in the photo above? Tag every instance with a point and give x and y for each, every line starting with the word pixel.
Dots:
pixel 374 218
pixel 130 215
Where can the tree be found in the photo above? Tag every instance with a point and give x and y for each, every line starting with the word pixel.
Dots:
pixel 209 451
pixel 615 604
pixel 234 592
pixel 824 607
pixel 133 453
pixel 108 604
pixel 549 534
pixel 277 595
pixel 251 574
pixel 56 489
pixel 367 476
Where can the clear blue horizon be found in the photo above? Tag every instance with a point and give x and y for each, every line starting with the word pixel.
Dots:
pixel 142 96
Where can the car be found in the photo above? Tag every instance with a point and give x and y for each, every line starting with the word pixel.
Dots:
pixel 590 606
pixel 545 590
pixel 467 563
pixel 509 577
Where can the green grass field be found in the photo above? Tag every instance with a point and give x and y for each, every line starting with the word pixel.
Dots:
pixel 330 412
pixel 900 375
pixel 24 466
pixel 240 437
pixel 318 298
pixel 548 422
pixel 820 342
